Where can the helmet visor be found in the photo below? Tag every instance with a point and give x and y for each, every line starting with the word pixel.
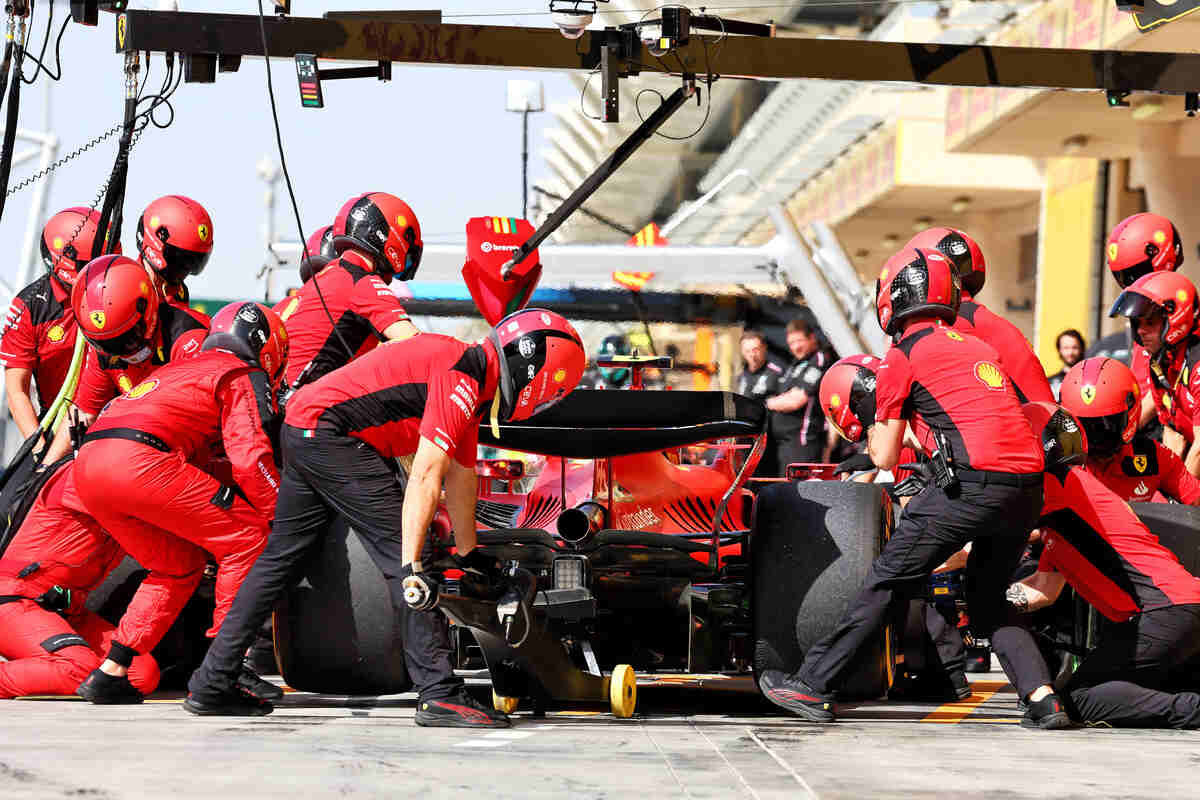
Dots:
pixel 123 345
pixel 862 398
pixel 182 263
pixel 1133 305
pixel 1104 434
pixel 412 256
pixel 1127 276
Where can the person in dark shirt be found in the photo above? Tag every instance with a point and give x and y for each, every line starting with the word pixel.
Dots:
pixel 760 380
pixel 1071 346
pixel 1142 672
pixel 797 424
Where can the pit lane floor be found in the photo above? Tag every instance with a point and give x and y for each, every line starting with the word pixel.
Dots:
pixel 681 743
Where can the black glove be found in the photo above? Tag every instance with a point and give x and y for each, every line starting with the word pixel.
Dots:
pixel 922 476
pixel 859 462
pixel 420 588
pixel 482 576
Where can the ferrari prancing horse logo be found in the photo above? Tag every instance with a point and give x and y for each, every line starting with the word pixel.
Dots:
pixel 97 318
pixel 1088 394
pixel 1140 463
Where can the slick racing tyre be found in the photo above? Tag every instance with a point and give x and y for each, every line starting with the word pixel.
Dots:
pixel 337 633
pixel 811 547
pixel 1176 527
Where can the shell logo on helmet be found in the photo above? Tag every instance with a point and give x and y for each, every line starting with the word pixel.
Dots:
pixel 401 221
pixel 142 389
pixel 97 318
pixel 835 401
pixel 1160 237
pixel 560 376
pixel 1088 394
pixel 1140 463
pixel 1181 296
pixel 58 243
pixel 955 335
pixel 989 375
pixel 124 384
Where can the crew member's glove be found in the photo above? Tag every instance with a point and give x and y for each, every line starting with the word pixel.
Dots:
pixel 482 576
pixel 859 462
pixel 420 588
pixel 922 476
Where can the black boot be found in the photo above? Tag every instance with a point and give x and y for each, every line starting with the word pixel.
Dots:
pixel 250 683
pixel 104 689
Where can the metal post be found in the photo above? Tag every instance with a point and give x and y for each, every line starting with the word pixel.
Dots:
pixel 525 164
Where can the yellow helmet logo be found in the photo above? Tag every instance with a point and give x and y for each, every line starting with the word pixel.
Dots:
pixel 1112 251
pixel 883 276
pixel 202 232
pixel 124 383
pixel 121 31
pixel 154 223
pixel 1160 237
pixel 560 376
pixel 58 243
pixel 401 221
pixel 955 335
pixel 989 375
pixel 1181 295
pixel 1140 463
pixel 142 389
pixel 835 401
pixel 97 318
pixel 56 333
pixel 1087 393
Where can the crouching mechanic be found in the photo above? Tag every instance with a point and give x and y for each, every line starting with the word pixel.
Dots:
pixel 138 474
pixel 58 556
pixel 1142 672
pixel 965 413
pixel 1104 396
pixel 424 395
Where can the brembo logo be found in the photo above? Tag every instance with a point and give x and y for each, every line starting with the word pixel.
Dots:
pixel 488 247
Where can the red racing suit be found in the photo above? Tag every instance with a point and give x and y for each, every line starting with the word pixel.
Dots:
pixel 138 474
pixel 361 305
pixel 1144 468
pixel 39 335
pixel 1139 364
pixel 1175 386
pixel 180 334
pixel 62 554
pixel 1016 356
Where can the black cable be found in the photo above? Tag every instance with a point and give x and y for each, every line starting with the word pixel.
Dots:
pixel 287 179
pixel 41 57
pixel 10 129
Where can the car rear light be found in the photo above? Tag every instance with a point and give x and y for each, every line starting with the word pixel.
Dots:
pixel 570 572
pixel 502 468
pixel 810 472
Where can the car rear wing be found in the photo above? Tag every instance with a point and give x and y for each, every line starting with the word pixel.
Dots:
pixel 603 423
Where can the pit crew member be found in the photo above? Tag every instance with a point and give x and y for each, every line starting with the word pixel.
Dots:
pixel 1138 245
pixel 1161 308
pixel 175 241
pixel 797 424
pixel 760 380
pixel 1017 358
pixel 131 332
pixel 1139 673
pixel 56 558
pixel 349 308
pixel 39 333
pixel 138 474
pixel 424 396
pixel 1104 396
pixel 988 490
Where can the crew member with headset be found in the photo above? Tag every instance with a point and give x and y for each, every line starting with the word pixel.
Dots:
pixel 175 241
pixel 1162 312
pixel 1017 358
pixel 797 424
pixel 347 308
pixel 1142 673
pixel 1104 396
pixel 985 487
pixel 425 396
pixel 39 332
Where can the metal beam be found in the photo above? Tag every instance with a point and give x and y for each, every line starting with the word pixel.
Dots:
pixel 747 57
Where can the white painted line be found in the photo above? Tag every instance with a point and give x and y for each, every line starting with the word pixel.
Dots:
pixel 787 767
pixel 480 743
pixel 682 786
pixel 740 777
pixel 496 739
pixel 509 735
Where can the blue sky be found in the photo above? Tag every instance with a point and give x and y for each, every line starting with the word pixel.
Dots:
pixel 438 137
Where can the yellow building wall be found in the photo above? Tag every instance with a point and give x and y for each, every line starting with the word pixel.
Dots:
pixel 1066 258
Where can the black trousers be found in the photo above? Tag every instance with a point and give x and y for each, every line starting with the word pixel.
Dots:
pixel 790 451
pixel 1144 673
pixel 995 516
pixel 325 475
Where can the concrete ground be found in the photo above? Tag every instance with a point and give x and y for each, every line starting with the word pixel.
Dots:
pixel 681 743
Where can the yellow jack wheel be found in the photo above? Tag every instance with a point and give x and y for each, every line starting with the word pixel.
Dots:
pixel 505 705
pixel 622 691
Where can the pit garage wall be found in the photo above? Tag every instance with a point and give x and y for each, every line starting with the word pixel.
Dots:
pixel 1068 252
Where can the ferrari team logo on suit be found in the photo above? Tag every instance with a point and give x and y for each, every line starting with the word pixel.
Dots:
pixel 1140 463
pixel 989 375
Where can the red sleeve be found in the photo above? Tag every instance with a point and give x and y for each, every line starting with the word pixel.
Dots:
pixel 1016 355
pixel 1139 360
pixel 95 388
pixel 18 347
pixel 1176 481
pixel 188 344
pixel 449 421
pixel 373 300
pixel 892 386
pixel 246 409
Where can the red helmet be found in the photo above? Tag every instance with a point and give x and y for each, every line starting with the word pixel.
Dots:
pixel 67 242
pixel 541 361
pixel 1142 244
pixel 116 307
pixel 384 226
pixel 1168 294
pixel 319 247
pixel 963 251
pixel 175 237
pixel 848 395
pixel 1064 443
pixel 253 333
pixel 1104 396
pixel 916 282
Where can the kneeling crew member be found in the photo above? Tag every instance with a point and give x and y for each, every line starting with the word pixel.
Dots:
pixel 965 413
pixel 426 396
pixel 348 304
pixel 138 473
pixel 58 556
pixel 1103 394
pixel 1139 673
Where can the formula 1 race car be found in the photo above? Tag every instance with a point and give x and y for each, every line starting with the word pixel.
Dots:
pixel 624 556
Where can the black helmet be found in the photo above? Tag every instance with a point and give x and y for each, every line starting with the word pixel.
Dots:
pixel 384 226
pixel 320 252
pixel 253 333
pixel 1064 444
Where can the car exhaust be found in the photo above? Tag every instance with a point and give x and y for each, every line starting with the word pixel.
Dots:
pixel 578 525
